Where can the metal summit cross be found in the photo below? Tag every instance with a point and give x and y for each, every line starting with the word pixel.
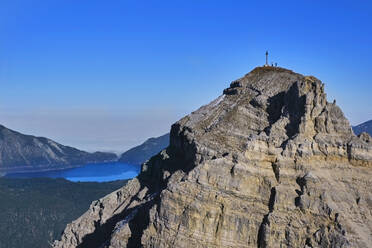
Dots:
pixel 267 58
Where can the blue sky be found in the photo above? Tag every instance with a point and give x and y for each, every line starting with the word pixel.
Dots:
pixel 108 74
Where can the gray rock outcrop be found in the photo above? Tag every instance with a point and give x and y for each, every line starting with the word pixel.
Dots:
pixel 270 163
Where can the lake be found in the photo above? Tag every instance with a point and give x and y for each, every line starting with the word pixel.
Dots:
pixel 104 172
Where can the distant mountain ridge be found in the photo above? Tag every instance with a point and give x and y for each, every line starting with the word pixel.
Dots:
pixel 141 153
pixel 20 152
pixel 364 127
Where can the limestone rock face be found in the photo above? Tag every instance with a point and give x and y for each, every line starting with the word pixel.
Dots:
pixel 270 163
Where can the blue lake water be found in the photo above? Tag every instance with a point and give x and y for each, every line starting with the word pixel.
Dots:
pixel 104 172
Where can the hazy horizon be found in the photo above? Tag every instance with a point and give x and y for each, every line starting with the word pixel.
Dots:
pixel 106 76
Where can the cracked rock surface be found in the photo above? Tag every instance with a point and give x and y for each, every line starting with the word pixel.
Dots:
pixel 270 163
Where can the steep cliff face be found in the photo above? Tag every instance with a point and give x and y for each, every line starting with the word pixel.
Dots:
pixel 270 163
pixel 20 152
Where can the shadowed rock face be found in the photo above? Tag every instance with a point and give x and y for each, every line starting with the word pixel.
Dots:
pixel 270 163
pixel 19 152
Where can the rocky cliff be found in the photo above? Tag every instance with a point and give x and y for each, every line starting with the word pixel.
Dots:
pixel 270 163
pixel 149 148
pixel 20 152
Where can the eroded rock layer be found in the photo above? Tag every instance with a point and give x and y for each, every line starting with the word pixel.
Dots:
pixel 270 163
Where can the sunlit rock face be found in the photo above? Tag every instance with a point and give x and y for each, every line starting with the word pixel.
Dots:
pixel 270 163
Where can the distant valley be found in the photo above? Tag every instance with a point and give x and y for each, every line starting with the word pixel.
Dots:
pixel 34 212
pixel 20 152
pixel 25 153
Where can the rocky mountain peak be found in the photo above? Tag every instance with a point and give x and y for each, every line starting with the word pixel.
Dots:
pixel 270 163
pixel 269 104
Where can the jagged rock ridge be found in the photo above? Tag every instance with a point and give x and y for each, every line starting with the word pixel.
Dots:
pixel 270 163
pixel 20 152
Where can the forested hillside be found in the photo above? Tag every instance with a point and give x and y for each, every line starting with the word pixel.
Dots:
pixel 34 212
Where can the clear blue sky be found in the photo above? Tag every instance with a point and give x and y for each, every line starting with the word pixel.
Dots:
pixel 108 74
